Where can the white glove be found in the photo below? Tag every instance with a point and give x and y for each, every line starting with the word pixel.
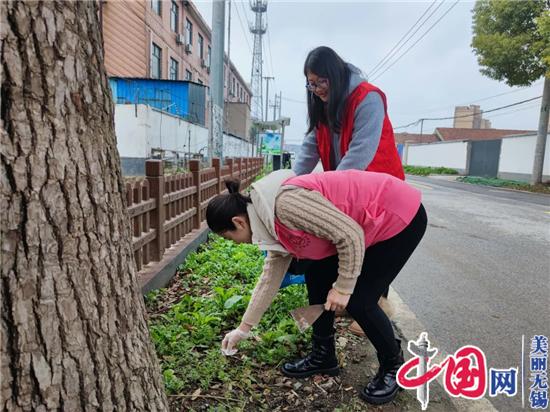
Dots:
pixel 231 340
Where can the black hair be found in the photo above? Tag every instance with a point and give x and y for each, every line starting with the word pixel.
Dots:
pixel 225 207
pixel 324 62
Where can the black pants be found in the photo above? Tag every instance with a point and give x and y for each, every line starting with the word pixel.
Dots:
pixel 381 264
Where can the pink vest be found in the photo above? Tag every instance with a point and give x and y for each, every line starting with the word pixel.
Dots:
pixel 383 206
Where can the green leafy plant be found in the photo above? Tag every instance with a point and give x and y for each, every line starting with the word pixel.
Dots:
pixel 215 285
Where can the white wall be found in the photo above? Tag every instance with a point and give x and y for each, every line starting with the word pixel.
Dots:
pixel 141 128
pixel 131 131
pixel 517 155
pixel 447 154
pixel 235 147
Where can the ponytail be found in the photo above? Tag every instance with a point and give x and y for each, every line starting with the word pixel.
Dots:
pixel 223 208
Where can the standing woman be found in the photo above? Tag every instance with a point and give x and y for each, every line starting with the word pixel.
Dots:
pixel 362 226
pixel 349 127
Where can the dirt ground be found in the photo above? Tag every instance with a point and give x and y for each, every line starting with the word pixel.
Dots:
pixel 319 393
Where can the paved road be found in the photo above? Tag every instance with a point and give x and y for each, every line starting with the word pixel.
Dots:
pixel 482 272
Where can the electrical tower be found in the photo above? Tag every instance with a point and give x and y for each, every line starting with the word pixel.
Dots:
pixel 259 7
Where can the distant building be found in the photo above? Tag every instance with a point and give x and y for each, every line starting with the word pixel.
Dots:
pixel 168 40
pixel 447 134
pixel 180 98
pixel 470 117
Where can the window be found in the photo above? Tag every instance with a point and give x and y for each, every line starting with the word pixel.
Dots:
pixel 173 69
pixel 188 75
pixel 174 17
pixel 156 62
pixel 201 45
pixel 209 57
pixel 233 87
pixel 155 5
pixel 188 31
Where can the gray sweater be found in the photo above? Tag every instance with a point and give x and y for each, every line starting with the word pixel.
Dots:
pixel 367 128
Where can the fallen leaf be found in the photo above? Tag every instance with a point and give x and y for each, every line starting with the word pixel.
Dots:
pixel 342 342
pixel 195 394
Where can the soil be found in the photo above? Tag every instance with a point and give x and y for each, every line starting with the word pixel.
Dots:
pixel 277 393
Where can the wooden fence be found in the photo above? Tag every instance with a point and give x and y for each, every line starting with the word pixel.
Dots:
pixel 163 209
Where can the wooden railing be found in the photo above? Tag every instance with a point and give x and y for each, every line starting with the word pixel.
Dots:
pixel 163 209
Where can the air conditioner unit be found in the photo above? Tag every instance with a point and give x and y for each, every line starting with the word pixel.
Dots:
pixel 180 39
pixel 188 48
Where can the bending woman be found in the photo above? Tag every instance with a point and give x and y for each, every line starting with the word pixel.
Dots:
pixel 359 228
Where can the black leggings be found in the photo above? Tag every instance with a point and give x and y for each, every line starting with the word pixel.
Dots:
pixel 381 264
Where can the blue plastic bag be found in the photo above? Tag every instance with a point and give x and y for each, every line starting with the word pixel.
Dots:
pixel 291 278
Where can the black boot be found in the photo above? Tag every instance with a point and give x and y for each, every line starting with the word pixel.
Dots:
pixel 321 360
pixel 384 387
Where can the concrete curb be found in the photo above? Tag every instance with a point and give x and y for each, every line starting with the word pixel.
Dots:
pixel 409 327
pixel 158 274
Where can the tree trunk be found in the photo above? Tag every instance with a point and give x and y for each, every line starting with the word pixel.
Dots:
pixel 542 134
pixel 74 333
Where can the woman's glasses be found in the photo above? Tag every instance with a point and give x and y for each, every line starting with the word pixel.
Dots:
pixel 319 84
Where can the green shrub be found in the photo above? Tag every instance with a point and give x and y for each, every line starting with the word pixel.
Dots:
pixel 425 170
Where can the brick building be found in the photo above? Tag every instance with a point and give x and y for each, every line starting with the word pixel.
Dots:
pixel 168 39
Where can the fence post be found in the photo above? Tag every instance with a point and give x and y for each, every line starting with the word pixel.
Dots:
pixel 239 161
pixel 216 164
pixel 154 173
pixel 194 168
pixel 246 172
pixel 229 162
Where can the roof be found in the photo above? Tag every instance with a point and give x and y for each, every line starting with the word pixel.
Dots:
pixel 452 133
pixel 415 138
pixel 150 79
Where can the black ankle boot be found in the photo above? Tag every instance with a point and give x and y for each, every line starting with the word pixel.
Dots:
pixel 321 360
pixel 384 387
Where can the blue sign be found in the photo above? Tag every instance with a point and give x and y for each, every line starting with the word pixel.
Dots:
pixel 271 143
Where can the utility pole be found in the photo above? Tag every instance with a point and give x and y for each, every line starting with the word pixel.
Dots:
pixel 276 105
pixel 538 161
pixel 215 146
pixel 267 79
pixel 280 103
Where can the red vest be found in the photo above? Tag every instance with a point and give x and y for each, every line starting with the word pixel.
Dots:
pixel 386 159
pixel 381 204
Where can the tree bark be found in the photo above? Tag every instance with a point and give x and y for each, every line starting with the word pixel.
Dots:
pixel 74 333
pixel 542 133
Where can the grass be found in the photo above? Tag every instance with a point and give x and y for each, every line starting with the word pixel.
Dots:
pixel 510 184
pixel 207 299
pixel 425 171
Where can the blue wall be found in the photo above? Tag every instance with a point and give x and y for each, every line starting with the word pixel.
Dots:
pixel 181 98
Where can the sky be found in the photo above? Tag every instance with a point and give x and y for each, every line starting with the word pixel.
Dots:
pixel 435 75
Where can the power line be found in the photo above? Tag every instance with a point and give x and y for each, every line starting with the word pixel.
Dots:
pixel 512 111
pixel 287 99
pixel 243 29
pixel 467 115
pixel 269 44
pixel 375 68
pixel 482 99
pixel 417 41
